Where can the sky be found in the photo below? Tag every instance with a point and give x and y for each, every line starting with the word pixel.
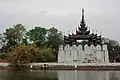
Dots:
pixel 100 15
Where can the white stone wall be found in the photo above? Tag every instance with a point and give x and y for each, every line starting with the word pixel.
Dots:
pixel 76 54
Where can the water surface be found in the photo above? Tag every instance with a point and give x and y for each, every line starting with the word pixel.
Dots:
pixel 59 75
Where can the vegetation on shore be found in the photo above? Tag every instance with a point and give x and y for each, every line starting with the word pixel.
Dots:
pixel 20 46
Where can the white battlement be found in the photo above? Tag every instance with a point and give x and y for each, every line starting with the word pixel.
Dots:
pixel 83 54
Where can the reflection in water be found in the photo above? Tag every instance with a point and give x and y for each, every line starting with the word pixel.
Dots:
pixel 88 75
pixel 59 75
pixel 114 76
pixel 26 75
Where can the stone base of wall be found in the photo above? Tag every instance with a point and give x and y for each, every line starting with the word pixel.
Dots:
pixel 66 68
pixel 75 67
pixel 81 68
pixel 63 66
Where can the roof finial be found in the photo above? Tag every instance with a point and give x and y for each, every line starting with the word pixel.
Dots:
pixel 82 24
pixel 82 14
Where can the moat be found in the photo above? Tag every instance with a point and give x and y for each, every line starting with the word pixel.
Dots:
pixel 59 75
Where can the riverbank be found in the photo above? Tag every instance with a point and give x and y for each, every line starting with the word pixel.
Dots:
pixel 64 66
pixel 75 66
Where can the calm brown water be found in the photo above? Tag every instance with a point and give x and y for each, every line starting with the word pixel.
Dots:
pixel 59 75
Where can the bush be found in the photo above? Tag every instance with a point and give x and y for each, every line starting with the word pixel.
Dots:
pixel 44 55
pixel 3 56
pixel 22 54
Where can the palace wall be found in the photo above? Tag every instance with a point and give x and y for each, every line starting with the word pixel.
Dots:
pixel 83 54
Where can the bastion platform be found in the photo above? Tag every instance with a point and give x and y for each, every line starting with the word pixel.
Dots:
pixel 75 66
pixel 66 66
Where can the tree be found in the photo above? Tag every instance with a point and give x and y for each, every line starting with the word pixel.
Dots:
pixel 37 35
pixel 14 35
pixel 2 41
pixel 22 54
pixel 54 38
pixel 113 49
pixel 3 56
pixel 47 55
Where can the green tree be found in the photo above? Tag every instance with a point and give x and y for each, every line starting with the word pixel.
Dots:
pixel 54 38
pixel 22 54
pixel 3 56
pixel 37 35
pixel 14 35
pixel 47 55
pixel 113 49
pixel 2 42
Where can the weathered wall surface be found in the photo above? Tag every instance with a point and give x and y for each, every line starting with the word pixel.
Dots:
pixel 78 54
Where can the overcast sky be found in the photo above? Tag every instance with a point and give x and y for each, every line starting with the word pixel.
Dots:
pixel 100 15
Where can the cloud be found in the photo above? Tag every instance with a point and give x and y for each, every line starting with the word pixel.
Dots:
pixel 100 15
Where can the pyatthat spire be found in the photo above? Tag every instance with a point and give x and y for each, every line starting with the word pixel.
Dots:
pixel 82 14
pixel 82 24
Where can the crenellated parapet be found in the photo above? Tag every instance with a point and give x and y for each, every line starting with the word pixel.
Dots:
pixel 82 54
pixel 85 47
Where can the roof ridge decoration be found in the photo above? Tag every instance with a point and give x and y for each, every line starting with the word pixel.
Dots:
pixel 83 34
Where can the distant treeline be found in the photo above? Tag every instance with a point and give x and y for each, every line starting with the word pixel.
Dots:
pixel 39 44
pixel 20 46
